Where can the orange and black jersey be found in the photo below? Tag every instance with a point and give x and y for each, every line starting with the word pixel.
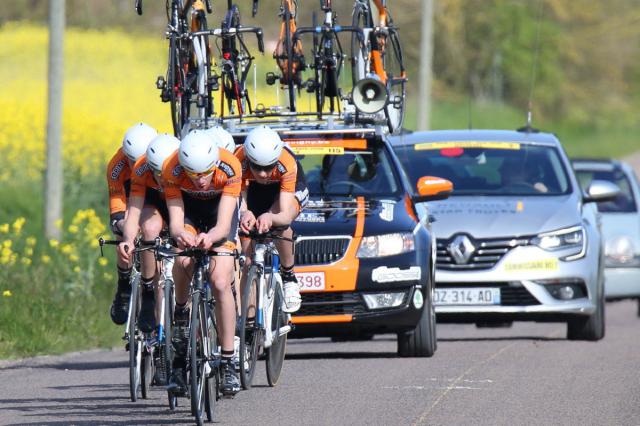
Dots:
pixel 118 180
pixel 285 172
pixel 142 178
pixel 226 179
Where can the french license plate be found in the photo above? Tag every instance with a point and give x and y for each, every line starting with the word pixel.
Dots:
pixel 311 281
pixel 467 296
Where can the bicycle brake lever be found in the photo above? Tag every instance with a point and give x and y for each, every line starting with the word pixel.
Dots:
pixel 260 41
pixel 254 11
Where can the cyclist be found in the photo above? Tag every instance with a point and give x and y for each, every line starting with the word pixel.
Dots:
pixel 202 186
pixel 134 144
pixel 147 210
pixel 274 192
pixel 222 137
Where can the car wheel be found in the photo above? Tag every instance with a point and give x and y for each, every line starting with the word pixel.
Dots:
pixel 591 328
pixel 422 341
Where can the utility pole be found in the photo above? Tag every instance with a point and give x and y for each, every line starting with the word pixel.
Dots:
pixel 53 183
pixel 425 73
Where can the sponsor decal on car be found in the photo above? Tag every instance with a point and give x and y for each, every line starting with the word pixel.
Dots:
pixel 467 144
pixel 383 274
pixel 550 264
pixel 312 217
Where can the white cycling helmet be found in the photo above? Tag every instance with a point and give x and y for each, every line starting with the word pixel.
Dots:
pixel 136 140
pixel 263 146
pixel 198 152
pixel 222 138
pixel 161 148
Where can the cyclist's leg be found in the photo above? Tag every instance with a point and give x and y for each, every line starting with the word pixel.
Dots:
pixel 120 306
pixel 151 223
pixel 291 287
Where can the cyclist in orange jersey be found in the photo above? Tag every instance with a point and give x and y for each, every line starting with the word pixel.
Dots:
pixel 134 145
pixel 274 191
pixel 202 186
pixel 147 210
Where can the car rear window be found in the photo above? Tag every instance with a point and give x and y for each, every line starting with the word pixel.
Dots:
pixel 624 202
pixel 489 168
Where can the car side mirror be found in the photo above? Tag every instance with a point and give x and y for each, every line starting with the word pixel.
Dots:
pixel 431 188
pixel 601 190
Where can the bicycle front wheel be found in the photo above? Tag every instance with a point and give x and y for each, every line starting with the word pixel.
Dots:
pixel 359 48
pixel 167 349
pixel 135 344
pixel 249 330
pixel 196 359
pixel 396 80
pixel 276 352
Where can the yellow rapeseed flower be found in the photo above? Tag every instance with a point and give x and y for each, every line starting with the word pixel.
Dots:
pixel 94 243
pixel 107 276
pixel 7 243
pixel 66 248
pixel 28 251
pixel 103 261
pixel 73 229
pixel 73 258
pixel 54 243
pixel 26 261
pixel 4 228
pixel 76 269
pixel 45 259
pixel 31 241
pixel 6 293
pixel 18 224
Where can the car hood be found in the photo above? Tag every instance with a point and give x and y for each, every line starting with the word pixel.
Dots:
pixel 488 217
pixel 339 216
pixel 619 224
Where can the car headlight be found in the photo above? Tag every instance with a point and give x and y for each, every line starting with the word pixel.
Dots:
pixel 620 252
pixel 386 245
pixel 574 237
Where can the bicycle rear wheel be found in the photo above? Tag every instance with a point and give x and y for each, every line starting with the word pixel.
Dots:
pixel 249 333
pixel 288 47
pixel 396 82
pixel 146 372
pixel 211 387
pixel 275 354
pixel 175 83
pixel 135 345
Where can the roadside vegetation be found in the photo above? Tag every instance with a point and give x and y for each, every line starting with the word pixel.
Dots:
pixel 55 295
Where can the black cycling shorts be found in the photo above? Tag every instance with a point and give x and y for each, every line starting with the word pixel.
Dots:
pixel 202 215
pixel 261 197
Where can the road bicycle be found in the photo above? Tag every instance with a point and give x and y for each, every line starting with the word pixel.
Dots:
pixel 380 56
pixel 203 356
pixel 328 57
pixel 263 323
pixel 235 62
pixel 140 345
pixel 288 54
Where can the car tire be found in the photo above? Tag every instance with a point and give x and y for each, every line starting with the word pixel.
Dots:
pixel 421 342
pixel 591 328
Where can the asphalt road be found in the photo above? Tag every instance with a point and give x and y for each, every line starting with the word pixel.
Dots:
pixel 527 374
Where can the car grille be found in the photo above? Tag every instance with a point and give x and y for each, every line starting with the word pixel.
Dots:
pixel 510 295
pixel 487 253
pixel 338 303
pixel 319 251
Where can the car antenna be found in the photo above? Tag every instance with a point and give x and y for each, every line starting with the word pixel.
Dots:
pixel 528 128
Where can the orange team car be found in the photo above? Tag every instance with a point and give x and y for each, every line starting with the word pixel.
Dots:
pixel 365 253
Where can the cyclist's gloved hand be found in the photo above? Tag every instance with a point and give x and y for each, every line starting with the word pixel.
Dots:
pixel 124 250
pixel 204 240
pixel 185 239
pixel 264 222
pixel 247 221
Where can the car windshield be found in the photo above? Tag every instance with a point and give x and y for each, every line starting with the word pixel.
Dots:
pixel 488 168
pixel 624 202
pixel 366 172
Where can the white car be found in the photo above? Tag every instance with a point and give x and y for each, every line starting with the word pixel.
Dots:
pixel 620 226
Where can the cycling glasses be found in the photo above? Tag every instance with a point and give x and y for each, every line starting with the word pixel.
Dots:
pixel 259 168
pixel 195 175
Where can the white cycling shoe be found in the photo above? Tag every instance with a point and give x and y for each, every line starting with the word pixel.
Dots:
pixel 292 298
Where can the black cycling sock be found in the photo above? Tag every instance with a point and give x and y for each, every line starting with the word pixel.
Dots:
pixel 226 355
pixel 124 277
pixel 147 286
pixel 181 313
